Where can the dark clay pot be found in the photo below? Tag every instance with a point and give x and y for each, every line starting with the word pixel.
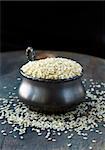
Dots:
pixel 51 96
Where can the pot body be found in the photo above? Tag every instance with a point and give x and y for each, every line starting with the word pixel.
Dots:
pixel 51 97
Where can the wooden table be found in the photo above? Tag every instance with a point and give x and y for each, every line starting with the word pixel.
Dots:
pixel 9 71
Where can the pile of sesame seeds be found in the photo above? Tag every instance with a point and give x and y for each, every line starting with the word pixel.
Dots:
pixel 86 116
pixel 52 68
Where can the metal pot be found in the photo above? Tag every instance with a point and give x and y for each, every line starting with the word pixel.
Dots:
pixel 51 96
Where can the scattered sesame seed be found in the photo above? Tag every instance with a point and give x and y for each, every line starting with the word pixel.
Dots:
pixel 4 122
pixel 100 133
pixel 15 88
pixel 69 145
pixel 13 93
pixel 20 115
pixel 59 133
pixel 2 131
pixel 53 140
pixel 66 132
pixel 85 138
pixel 14 136
pixel 39 133
pixel 14 104
pixel 21 137
pixel 97 131
pixel 53 133
pixel 69 137
pixel 90 147
pixel 9 93
pixel 4 134
pixel 18 79
pixel 93 141
pixel 103 125
pixel 10 132
pixel 49 139
pixel 91 130
pixel 10 96
pixel 4 87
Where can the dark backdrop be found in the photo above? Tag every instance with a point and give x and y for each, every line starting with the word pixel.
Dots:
pixel 70 26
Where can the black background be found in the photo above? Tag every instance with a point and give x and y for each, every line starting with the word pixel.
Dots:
pixel 67 26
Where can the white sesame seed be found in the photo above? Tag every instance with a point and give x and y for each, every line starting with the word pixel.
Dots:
pixel 93 141
pixel 103 125
pixel 10 132
pixel 69 137
pixel 59 133
pixel 13 93
pixel 10 96
pixel 18 79
pixel 69 144
pixel 4 122
pixel 97 131
pixel 90 147
pixel 49 139
pixel 15 88
pixel 85 138
pixel 2 131
pixel 4 134
pixel 66 132
pixel 100 132
pixel 39 133
pixel 91 130
pixel 21 137
pixel 4 87
pixel 14 136
pixel 53 140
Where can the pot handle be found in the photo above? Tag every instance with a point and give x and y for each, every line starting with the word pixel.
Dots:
pixel 30 54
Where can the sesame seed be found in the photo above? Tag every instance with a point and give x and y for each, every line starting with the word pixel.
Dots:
pixel 103 125
pixel 4 134
pixel 15 88
pixel 93 141
pixel 18 79
pixel 53 140
pixel 10 132
pixel 69 145
pixel 91 130
pixel 49 139
pixel 14 136
pixel 69 137
pixel 90 147
pixel 97 131
pixel 9 93
pixel 100 133
pixel 4 122
pixel 39 133
pixel 21 137
pixel 59 133
pixel 13 93
pixel 4 87
pixel 66 132
pixel 2 131
pixel 85 138
pixel 10 96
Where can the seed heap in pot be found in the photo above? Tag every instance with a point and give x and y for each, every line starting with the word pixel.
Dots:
pixel 52 68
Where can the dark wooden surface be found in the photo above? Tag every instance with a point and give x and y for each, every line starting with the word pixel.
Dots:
pixel 9 71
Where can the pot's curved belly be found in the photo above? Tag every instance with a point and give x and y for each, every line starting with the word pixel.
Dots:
pixel 51 97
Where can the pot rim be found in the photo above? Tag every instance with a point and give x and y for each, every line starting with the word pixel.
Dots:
pixel 51 80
